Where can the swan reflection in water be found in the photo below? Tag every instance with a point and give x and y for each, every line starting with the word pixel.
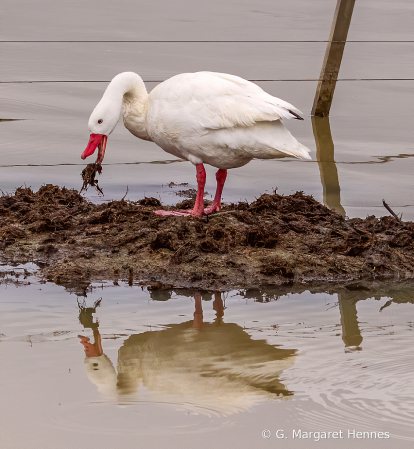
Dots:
pixel 210 365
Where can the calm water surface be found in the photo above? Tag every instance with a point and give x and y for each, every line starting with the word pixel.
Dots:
pixel 365 155
pixel 128 367
pixel 174 369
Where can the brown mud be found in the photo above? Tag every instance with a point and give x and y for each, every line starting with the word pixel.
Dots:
pixel 276 240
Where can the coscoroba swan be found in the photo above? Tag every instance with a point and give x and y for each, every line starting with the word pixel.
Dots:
pixel 204 117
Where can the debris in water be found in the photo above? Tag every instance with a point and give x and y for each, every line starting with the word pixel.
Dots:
pixel 88 176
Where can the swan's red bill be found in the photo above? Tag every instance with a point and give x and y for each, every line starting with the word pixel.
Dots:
pixel 96 141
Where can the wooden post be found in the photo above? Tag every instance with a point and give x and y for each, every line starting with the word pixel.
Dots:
pixel 333 57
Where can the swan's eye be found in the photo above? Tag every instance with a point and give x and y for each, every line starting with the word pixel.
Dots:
pixel 100 121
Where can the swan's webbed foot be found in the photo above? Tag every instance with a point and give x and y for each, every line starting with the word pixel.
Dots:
pixel 182 213
pixel 212 208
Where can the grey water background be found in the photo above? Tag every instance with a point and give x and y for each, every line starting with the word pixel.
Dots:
pixel 345 357
pixel 53 86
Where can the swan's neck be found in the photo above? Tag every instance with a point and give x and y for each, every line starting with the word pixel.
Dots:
pixel 129 87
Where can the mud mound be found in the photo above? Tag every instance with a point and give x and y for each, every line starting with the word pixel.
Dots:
pixel 274 240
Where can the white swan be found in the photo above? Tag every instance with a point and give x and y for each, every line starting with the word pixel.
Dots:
pixel 204 117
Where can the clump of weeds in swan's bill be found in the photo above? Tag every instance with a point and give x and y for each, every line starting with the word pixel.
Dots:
pixel 88 176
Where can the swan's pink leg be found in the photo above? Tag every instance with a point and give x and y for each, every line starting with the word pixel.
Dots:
pixel 201 182
pixel 221 176
pixel 199 204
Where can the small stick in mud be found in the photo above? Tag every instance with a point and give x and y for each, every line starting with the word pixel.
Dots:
pixel 126 193
pixel 88 176
pixel 391 211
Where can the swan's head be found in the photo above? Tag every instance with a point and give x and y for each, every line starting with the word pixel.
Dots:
pixel 102 122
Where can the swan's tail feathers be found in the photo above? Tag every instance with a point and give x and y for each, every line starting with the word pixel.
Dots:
pixel 296 116
pixel 283 141
pixel 302 152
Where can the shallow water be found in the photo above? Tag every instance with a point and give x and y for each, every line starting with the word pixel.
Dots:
pixel 197 369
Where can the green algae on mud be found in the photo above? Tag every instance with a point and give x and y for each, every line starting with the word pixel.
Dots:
pixel 274 240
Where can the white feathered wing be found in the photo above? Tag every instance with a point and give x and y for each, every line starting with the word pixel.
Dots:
pixel 221 120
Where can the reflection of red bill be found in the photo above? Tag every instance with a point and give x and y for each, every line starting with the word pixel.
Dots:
pixel 96 141
pixel 89 348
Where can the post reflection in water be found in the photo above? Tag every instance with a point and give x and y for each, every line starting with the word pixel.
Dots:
pixel 327 166
pixel 351 334
pixel 216 365
pixel 348 299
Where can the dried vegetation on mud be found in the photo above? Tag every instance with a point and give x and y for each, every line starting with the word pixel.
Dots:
pixel 273 241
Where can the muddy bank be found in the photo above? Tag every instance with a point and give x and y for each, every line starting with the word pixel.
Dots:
pixel 273 241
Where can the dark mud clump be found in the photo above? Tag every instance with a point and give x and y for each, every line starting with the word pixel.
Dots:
pixel 274 240
pixel 88 177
